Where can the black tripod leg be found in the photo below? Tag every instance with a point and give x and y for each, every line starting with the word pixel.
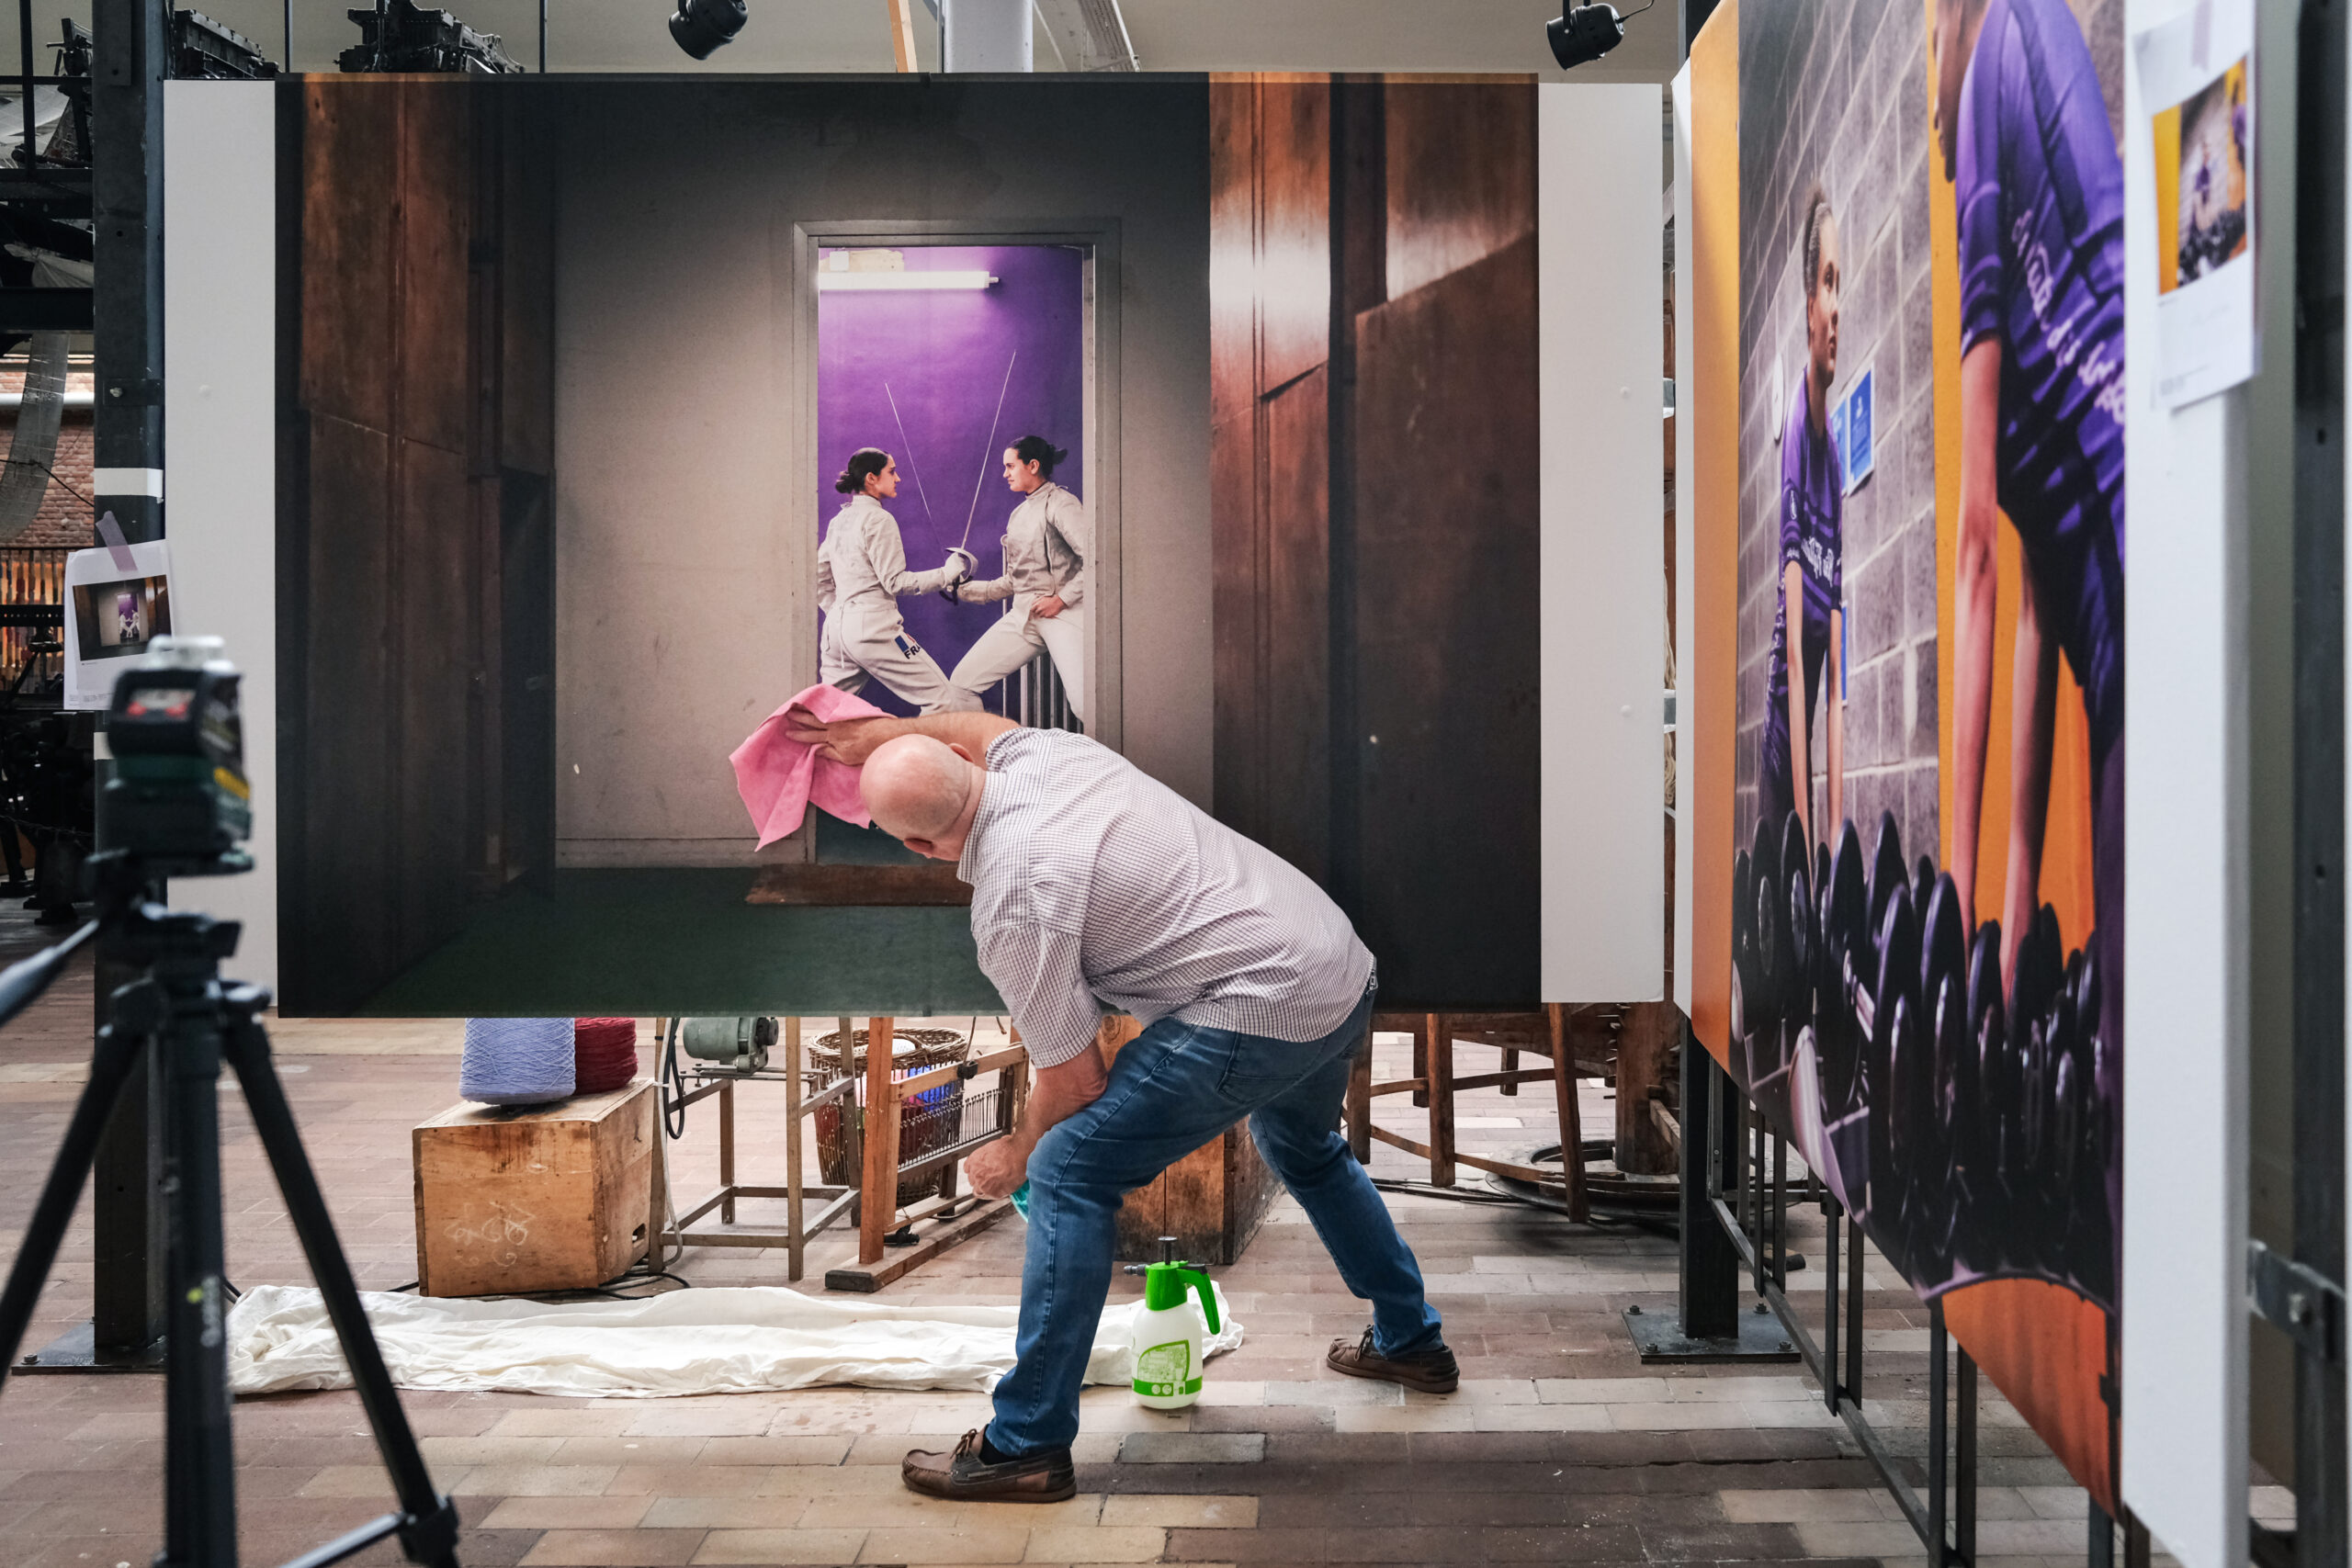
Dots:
pixel 200 1456
pixel 429 1534
pixel 111 1063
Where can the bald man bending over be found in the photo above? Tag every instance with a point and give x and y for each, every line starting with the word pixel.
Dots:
pixel 1093 885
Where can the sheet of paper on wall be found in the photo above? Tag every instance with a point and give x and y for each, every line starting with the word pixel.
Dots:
pixel 118 601
pixel 2197 83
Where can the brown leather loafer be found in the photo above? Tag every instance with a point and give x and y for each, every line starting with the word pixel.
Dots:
pixel 1430 1371
pixel 964 1475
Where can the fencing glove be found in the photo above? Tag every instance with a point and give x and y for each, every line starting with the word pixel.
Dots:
pixel 958 568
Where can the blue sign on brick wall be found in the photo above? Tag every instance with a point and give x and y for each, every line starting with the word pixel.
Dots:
pixel 1852 424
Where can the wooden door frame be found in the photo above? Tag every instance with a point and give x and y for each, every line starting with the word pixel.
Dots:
pixel 1097 239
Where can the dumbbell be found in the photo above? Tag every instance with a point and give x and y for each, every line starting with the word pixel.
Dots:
pixel 1884 1012
pixel 2040 977
pixel 1799 946
pixel 1743 940
pixel 1979 1074
pixel 2066 1124
pixel 1886 872
pixel 2093 1247
pixel 1943 993
pixel 1760 905
pixel 1970 1040
pixel 1845 944
pixel 2038 973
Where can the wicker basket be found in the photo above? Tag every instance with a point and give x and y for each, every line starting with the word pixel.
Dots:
pixel 927 1124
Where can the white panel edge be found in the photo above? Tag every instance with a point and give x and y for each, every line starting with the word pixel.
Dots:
pixel 2185 1082
pixel 1602 632
pixel 219 434
pixel 1686 526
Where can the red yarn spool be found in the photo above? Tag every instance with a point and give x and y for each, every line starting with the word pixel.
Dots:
pixel 603 1053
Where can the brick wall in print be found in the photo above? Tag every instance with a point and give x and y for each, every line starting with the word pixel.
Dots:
pixel 1835 91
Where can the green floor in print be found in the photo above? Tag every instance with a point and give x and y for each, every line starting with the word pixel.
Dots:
pixel 651 942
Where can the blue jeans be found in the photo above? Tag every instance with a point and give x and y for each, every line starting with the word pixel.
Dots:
pixel 1173 1089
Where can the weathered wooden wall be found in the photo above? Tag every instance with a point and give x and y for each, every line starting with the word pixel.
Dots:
pixel 1269 302
pixel 1212 1201
pixel 1373 445
pixel 415 403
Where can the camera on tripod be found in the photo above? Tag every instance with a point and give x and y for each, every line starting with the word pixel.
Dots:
pixel 178 804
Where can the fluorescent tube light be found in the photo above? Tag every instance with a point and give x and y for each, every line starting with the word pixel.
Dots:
pixel 877 282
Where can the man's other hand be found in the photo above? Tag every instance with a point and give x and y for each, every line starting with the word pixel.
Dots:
pixel 849 740
pixel 996 1170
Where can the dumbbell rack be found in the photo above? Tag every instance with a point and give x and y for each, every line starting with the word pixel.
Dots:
pixel 1939 1103
pixel 1973 1123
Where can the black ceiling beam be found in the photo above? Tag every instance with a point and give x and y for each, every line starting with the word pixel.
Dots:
pixel 46 310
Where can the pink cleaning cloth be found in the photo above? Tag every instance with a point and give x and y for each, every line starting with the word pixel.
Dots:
pixel 777 776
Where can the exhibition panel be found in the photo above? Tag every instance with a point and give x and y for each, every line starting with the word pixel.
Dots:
pixel 545 501
pixel 1927 675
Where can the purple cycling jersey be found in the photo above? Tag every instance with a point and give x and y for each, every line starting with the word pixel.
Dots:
pixel 2041 196
pixel 1813 534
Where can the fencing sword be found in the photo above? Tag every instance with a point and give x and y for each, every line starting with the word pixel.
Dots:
pixel 910 458
pixel 947 592
pixel 994 420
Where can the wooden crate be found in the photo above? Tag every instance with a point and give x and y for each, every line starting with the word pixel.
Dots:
pixel 535 1198
pixel 1212 1201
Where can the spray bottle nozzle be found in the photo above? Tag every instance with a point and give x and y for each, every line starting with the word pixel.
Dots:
pixel 1165 1284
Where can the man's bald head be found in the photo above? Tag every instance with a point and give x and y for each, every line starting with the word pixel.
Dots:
pixel 923 793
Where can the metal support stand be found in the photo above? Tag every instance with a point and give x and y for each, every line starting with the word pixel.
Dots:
pixel 2305 1296
pixel 1746 1223
pixel 131 59
pixel 1708 1325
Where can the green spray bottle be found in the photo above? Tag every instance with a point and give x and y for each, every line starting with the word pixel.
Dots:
pixel 1169 1345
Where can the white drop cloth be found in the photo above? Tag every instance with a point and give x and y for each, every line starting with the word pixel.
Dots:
pixel 724 1340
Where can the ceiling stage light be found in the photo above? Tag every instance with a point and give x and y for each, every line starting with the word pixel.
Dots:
pixel 702 27
pixel 1583 33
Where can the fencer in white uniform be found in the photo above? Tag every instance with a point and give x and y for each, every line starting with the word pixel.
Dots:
pixel 1046 545
pixel 861 574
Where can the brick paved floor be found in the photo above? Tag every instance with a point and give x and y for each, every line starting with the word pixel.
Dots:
pixel 1560 1447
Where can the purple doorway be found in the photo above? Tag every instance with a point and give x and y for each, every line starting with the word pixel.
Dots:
pixel 919 372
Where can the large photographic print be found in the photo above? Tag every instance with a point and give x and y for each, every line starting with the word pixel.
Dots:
pixel 563 524
pixel 639 407
pixel 1927 882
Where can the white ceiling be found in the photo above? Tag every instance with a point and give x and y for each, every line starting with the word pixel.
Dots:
pixel 853 35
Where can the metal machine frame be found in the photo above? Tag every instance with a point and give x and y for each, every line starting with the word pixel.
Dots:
pixel 872 1204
